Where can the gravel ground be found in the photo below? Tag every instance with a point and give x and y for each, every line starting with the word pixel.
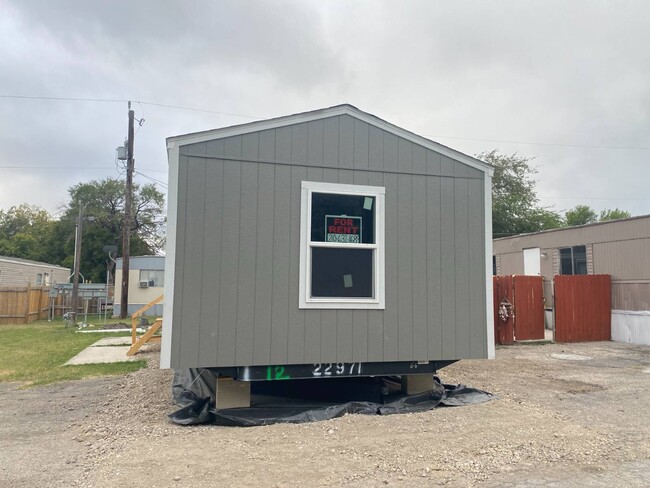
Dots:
pixel 566 415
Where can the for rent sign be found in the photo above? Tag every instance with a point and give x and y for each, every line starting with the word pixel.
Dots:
pixel 341 228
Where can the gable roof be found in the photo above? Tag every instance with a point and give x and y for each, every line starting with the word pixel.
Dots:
pixel 344 109
pixel 10 259
pixel 574 228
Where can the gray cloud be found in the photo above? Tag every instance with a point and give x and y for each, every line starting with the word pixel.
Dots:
pixel 550 72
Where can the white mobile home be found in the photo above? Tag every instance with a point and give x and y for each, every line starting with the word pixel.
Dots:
pixel 146 283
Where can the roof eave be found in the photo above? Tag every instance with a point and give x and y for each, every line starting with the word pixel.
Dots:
pixel 337 110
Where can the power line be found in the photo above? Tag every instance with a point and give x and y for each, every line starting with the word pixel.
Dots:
pixel 154 180
pixel 36 166
pixel 541 143
pixel 232 114
pixel 65 99
pixel 591 198
pixel 178 107
pixel 119 100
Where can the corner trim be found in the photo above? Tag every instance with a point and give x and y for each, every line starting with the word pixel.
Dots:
pixel 170 257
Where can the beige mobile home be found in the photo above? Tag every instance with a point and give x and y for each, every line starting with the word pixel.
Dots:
pixel 146 283
pixel 20 272
pixel 620 248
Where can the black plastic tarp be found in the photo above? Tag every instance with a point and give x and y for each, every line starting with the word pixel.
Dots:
pixel 298 401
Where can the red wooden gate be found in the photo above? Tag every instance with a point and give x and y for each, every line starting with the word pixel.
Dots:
pixel 583 308
pixel 518 308
pixel 529 308
pixel 504 324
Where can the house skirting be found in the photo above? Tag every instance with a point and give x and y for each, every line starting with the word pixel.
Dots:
pixel 631 326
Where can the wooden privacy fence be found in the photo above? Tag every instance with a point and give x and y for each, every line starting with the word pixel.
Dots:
pixel 583 308
pixel 518 308
pixel 23 304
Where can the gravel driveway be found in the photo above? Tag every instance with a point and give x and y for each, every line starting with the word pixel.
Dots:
pixel 567 415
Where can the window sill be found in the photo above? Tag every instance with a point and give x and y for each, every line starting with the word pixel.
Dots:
pixel 342 304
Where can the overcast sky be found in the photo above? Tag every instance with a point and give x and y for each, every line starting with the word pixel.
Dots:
pixel 567 83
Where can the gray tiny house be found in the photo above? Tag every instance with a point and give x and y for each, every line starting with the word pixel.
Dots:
pixel 323 243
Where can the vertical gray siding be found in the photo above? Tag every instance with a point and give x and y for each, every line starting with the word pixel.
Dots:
pixel 280 286
pixel 238 235
pixel 211 269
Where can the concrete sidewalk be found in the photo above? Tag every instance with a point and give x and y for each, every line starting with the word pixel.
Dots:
pixel 107 350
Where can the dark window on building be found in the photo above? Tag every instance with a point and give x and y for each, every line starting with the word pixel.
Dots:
pixel 346 220
pixel 573 260
pixel 494 265
pixel 342 246
pixel 329 212
pixel 341 272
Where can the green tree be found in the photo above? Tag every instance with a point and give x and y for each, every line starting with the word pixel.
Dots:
pixel 103 201
pixel 515 206
pixel 581 215
pixel 614 214
pixel 24 232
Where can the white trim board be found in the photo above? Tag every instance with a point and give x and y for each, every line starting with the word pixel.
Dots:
pixel 170 258
pixel 489 297
pixel 210 135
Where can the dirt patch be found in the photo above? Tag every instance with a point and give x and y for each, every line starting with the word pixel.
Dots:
pixel 115 326
pixel 587 424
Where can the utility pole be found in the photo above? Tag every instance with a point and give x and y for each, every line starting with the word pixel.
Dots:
pixel 77 263
pixel 126 237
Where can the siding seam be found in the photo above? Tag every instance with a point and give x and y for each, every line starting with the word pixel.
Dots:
pixel 366 170
pixel 198 336
pixel 241 144
pixel 257 216
pixel 469 274
pixel 286 356
pixel 275 175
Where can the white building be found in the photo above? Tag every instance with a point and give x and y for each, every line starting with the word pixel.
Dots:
pixel 146 280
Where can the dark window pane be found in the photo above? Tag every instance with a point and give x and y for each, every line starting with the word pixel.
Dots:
pixel 342 218
pixel 341 272
pixel 580 260
pixel 566 263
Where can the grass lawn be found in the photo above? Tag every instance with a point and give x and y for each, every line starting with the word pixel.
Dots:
pixel 34 354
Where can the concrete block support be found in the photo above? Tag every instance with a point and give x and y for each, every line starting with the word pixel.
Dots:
pixel 232 393
pixel 417 383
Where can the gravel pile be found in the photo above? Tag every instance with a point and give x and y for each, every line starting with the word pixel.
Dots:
pixel 549 418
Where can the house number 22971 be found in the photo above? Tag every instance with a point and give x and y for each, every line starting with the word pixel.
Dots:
pixel 336 369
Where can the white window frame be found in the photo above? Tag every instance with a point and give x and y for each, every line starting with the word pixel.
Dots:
pixel 378 302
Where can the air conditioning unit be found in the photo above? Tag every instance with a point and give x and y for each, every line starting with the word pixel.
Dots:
pixel 144 284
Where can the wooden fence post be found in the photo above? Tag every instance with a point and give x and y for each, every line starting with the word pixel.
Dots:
pixel 27 296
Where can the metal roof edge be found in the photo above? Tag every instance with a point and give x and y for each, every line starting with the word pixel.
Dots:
pixel 29 262
pixel 573 227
